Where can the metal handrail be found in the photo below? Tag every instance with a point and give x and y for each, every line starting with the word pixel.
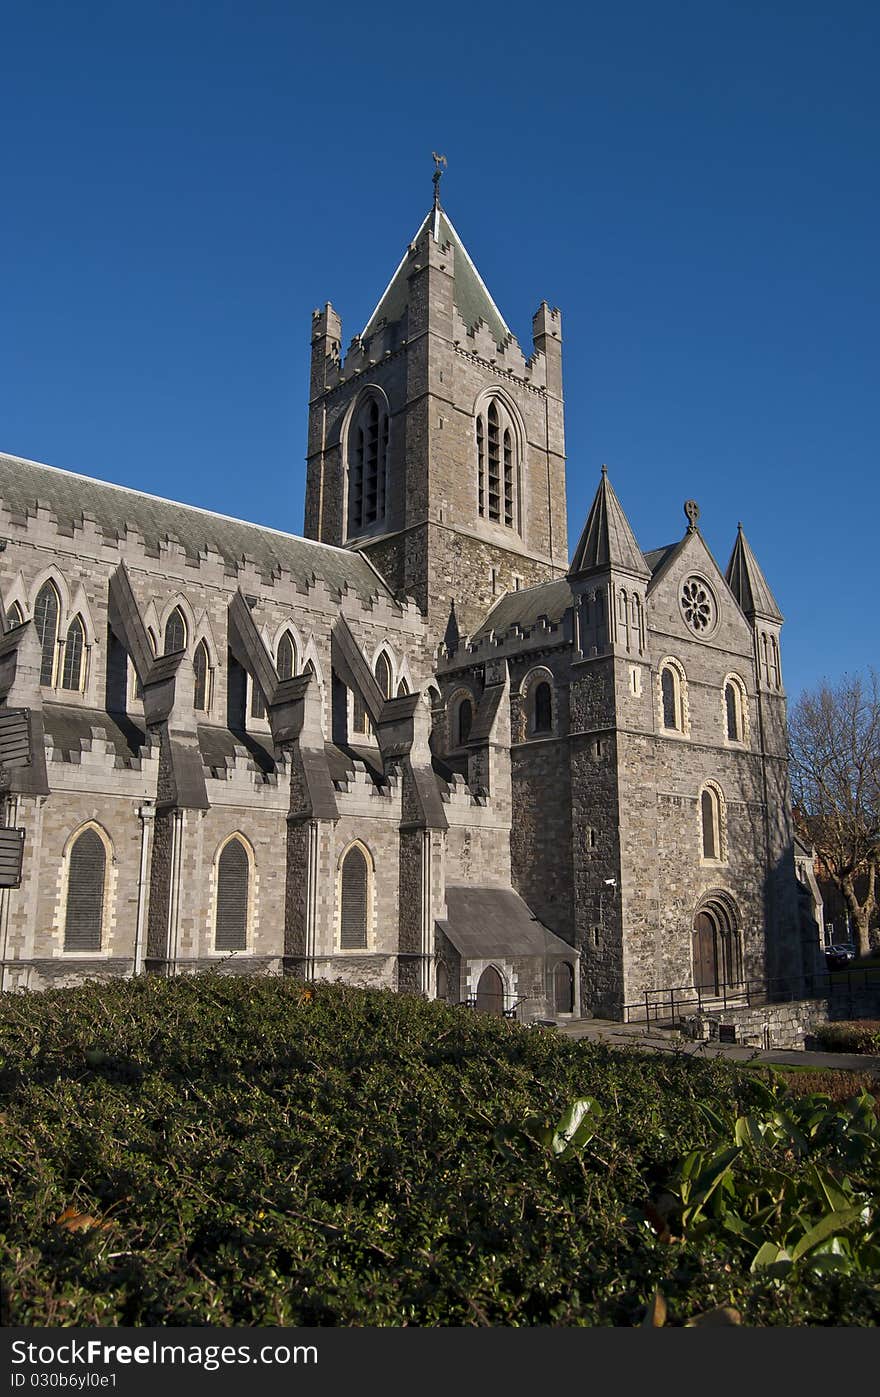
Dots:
pixel 670 1003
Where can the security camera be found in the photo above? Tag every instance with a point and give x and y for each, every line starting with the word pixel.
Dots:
pixel 611 882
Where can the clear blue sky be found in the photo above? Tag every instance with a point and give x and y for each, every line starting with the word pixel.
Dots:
pixel 694 184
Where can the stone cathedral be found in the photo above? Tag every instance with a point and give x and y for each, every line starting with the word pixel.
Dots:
pixel 422 748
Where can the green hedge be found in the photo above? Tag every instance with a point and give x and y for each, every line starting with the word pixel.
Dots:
pixel 860 1036
pixel 218 1150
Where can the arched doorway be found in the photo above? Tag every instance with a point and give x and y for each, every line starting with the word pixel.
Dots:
pixel 717 963
pixel 490 992
pixel 563 988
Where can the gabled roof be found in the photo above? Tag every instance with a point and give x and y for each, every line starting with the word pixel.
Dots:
pixel 487 922
pixel 523 608
pixel 657 558
pixel 469 294
pixel 748 583
pixel 607 539
pixel 24 484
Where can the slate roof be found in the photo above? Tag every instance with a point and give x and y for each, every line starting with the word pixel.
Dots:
pixel 495 922
pixel 70 727
pixel 748 583
pixel 469 293
pixel 607 539
pixel 523 608
pixel 25 483
pixel 657 558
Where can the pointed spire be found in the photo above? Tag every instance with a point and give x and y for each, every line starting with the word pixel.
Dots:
pixel 748 583
pixel 470 293
pixel 607 539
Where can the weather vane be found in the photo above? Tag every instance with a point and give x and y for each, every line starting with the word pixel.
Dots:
pixel 438 173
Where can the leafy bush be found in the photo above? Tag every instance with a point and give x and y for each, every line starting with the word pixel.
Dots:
pixel 860 1036
pixel 217 1150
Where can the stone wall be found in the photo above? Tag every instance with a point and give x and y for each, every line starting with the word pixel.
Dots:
pixel 777 1025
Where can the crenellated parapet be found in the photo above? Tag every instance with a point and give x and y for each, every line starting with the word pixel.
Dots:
pixel 513 642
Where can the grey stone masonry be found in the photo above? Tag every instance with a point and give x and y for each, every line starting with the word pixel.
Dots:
pixel 417 749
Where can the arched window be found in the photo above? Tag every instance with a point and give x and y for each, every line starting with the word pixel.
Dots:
pixel 497 464
pixel 175 632
pixel 367 465
pixel 382 672
pixel 258 703
pixel 710 822
pixel 86 883
pixel 669 686
pixel 543 708
pixel 72 671
pixel 202 686
pixel 464 719
pixel 286 661
pixel 774 657
pixel 233 889
pixel 353 909
pixel 46 610
pixel 731 713
pixel 402 688
pixel 14 616
pixel 360 720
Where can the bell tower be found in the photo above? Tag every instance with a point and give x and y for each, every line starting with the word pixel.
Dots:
pixel 435 445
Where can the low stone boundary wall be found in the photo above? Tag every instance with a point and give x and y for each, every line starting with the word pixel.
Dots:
pixel 778 1025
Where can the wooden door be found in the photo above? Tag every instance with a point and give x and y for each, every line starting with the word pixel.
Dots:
pixel 490 992
pixel 564 988
pixel 705 954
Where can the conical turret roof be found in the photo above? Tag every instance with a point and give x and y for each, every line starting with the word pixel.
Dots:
pixel 748 583
pixel 607 539
pixel 470 294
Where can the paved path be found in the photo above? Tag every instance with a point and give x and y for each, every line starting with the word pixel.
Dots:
pixel 661 1040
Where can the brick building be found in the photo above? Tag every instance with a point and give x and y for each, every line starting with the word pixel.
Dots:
pixel 419 748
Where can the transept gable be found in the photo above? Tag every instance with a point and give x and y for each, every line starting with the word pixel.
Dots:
pixel 689 597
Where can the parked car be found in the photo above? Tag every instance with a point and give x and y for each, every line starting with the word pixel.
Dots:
pixel 840 955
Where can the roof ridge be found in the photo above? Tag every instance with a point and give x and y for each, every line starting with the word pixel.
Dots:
pixel 178 504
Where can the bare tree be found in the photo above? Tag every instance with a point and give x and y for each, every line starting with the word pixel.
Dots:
pixel 834 736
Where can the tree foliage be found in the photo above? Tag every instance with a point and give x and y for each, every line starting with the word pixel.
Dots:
pixel 834 734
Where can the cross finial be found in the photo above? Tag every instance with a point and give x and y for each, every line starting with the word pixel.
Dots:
pixel 439 160
pixel 692 510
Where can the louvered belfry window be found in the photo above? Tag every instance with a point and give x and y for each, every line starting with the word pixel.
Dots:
pixel 86 875
pixel 353 934
pixel 233 871
pixel 367 462
pixel 46 624
pixel 496 464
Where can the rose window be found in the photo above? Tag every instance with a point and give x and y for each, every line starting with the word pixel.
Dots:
pixel 698 605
